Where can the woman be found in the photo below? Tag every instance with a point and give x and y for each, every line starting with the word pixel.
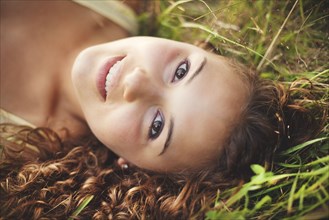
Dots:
pixel 149 108
pixel 157 104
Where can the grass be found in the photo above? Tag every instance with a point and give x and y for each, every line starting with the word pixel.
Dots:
pixel 84 203
pixel 282 40
pixel 295 190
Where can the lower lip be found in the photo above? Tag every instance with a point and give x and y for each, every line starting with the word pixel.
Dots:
pixel 104 70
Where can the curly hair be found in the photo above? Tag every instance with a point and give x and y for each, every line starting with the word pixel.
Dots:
pixel 275 118
pixel 54 180
pixel 54 188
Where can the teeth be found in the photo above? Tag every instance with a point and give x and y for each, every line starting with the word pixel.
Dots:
pixel 113 70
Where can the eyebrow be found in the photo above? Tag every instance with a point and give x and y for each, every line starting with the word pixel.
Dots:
pixel 198 70
pixel 169 136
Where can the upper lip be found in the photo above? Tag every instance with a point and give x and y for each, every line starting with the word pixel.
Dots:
pixel 104 70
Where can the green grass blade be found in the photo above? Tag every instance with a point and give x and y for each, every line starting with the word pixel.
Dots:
pixel 291 195
pixel 301 146
pixel 85 202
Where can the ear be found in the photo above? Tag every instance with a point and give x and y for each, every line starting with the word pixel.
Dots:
pixel 122 162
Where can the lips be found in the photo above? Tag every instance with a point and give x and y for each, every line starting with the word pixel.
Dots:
pixel 109 75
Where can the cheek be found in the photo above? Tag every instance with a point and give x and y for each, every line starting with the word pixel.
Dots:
pixel 117 129
pixel 84 63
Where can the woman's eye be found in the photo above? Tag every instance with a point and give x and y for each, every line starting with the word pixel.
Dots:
pixel 156 126
pixel 181 71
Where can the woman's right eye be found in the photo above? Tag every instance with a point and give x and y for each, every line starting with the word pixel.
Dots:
pixel 181 71
pixel 156 126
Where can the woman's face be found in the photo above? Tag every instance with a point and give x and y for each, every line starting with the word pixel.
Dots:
pixel 160 104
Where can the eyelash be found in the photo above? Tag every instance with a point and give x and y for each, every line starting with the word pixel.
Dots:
pixel 158 121
pixel 184 66
pixel 156 126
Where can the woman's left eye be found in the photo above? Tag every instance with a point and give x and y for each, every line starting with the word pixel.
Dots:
pixel 181 71
pixel 156 126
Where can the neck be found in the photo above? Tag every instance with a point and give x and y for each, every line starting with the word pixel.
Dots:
pixel 46 47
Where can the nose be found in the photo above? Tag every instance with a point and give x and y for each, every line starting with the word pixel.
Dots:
pixel 138 85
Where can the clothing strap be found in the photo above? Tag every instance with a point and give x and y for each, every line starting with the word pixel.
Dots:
pixel 114 10
pixel 7 140
pixel 7 117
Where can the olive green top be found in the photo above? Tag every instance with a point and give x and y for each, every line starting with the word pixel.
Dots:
pixel 114 10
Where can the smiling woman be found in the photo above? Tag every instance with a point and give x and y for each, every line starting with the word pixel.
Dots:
pixel 164 89
pixel 150 127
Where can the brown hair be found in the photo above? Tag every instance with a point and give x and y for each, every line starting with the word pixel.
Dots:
pixel 53 181
pixel 276 117
pixel 54 188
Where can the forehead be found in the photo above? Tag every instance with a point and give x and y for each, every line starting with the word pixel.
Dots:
pixel 205 111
